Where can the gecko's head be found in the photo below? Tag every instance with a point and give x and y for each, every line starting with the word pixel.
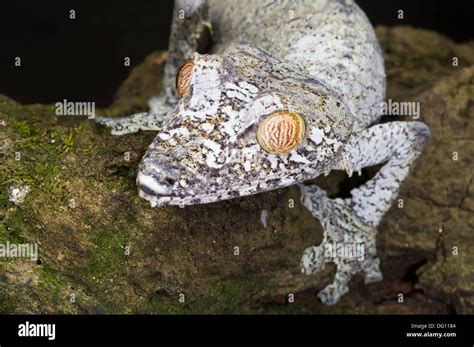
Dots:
pixel 245 123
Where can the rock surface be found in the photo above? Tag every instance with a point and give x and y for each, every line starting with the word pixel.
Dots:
pixel 102 249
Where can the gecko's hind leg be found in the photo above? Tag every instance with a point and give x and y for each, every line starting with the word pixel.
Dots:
pixel 350 225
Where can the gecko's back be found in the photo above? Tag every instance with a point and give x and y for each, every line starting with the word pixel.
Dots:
pixel 333 40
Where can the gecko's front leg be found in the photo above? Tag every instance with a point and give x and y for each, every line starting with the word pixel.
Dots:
pixel 347 242
pixel 148 121
pixel 350 224
pixel 190 33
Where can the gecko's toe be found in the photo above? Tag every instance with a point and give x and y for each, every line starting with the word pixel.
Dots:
pixel 373 278
pixel 332 293
pixel 372 271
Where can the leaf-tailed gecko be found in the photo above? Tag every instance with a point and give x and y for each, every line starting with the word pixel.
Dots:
pixel 290 90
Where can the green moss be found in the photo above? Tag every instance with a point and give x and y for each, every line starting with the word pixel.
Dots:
pixel 14 228
pixel 49 282
pixel 8 304
pixel 233 295
pixel 227 297
pixel 108 254
pixel 54 289
pixel 164 304
pixel 3 198
pixel 23 129
pixel 40 153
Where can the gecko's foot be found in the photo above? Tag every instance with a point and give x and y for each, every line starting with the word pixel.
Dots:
pixel 134 123
pixel 347 242
pixel 160 107
pixel 312 260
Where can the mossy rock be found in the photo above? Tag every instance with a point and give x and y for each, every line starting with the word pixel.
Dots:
pixel 102 249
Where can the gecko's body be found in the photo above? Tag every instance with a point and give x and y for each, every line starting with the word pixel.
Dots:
pixel 332 41
pixel 315 65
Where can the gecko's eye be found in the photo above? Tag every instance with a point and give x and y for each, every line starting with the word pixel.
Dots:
pixel 281 132
pixel 183 78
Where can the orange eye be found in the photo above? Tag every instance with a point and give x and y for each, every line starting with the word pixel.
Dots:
pixel 183 78
pixel 281 132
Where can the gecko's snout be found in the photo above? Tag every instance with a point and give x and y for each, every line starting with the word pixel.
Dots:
pixel 155 185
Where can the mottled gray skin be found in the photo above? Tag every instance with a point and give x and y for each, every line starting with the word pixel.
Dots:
pixel 319 59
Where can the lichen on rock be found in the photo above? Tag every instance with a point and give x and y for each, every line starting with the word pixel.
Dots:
pixel 18 193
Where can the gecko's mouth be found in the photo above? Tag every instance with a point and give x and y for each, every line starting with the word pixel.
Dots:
pixel 165 193
pixel 149 191
pixel 195 198
pixel 168 192
pixel 161 192
pixel 205 198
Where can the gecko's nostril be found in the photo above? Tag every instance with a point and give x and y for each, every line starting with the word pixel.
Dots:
pixel 169 181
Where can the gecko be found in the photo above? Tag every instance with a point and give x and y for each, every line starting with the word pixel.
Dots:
pixel 261 95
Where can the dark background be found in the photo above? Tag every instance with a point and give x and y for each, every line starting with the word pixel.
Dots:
pixel 82 59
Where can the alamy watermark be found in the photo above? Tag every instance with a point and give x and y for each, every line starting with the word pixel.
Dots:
pixel 345 250
pixel 75 108
pixel 400 108
pixel 19 250
pixel 28 329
